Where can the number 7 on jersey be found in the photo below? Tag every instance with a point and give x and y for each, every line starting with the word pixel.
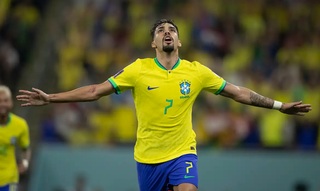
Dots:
pixel 170 101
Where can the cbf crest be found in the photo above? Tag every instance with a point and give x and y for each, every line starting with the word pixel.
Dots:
pixel 185 88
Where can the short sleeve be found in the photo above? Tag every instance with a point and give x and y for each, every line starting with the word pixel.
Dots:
pixel 24 140
pixel 211 82
pixel 126 78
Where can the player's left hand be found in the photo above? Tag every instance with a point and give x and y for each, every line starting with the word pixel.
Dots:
pixel 22 167
pixel 295 108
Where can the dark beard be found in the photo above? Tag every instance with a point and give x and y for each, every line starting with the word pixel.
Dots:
pixel 168 48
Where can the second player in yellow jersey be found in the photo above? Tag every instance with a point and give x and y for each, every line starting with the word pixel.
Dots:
pixel 13 132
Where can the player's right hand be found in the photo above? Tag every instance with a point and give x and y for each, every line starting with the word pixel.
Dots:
pixel 34 98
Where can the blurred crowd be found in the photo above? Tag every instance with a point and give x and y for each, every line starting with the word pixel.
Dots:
pixel 18 25
pixel 269 46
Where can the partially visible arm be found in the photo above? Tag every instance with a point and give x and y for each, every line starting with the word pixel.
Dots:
pixel 26 154
pixel 249 97
pixel 82 94
pixel 25 160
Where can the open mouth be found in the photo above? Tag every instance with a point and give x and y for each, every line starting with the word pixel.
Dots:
pixel 168 39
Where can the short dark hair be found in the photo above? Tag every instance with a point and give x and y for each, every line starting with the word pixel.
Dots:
pixel 160 22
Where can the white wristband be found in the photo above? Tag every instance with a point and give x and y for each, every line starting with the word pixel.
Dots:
pixel 25 163
pixel 277 105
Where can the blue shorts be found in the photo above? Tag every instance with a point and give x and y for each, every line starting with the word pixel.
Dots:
pixel 163 176
pixel 9 187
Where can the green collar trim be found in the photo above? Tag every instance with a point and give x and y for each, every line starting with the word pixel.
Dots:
pixel 162 67
pixel 176 65
pixel 9 120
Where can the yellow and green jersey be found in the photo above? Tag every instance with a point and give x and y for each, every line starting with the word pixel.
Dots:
pixel 163 100
pixel 13 133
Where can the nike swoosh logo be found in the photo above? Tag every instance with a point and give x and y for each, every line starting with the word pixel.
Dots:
pixel 152 88
pixel 185 176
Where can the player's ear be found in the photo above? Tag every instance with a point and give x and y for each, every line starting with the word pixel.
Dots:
pixel 179 43
pixel 153 44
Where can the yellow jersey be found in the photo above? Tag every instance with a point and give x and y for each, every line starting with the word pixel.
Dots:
pixel 164 100
pixel 14 132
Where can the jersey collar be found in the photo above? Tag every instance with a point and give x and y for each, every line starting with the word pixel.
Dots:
pixel 162 67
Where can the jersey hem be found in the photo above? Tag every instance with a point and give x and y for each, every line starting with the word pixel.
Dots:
pixel 115 86
pixel 223 85
pixel 9 183
pixel 165 160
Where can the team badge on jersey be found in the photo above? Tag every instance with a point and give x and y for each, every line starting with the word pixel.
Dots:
pixel 185 88
pixel 13 140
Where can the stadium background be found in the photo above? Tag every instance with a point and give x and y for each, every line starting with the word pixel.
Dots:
pixel 270 46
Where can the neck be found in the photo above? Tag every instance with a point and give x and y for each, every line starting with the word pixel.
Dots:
pixel 168 60
pixel 4 119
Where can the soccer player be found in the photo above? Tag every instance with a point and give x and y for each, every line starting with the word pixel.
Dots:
pixel 13 131
pixel 164 89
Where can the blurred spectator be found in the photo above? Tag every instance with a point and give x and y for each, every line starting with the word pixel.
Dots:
pixel 71 124
pixel 49 133
pixel 9 61
pixel 306 135
pixel 4 8
pixel 18 25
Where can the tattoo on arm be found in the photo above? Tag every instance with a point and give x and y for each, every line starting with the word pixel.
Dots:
pixel 260 101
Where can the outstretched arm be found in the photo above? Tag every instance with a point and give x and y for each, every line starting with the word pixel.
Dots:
pixel 82 94
pixel 249 97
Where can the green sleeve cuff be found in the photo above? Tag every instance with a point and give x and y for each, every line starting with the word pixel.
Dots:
pixel 115 86
pixel 224 83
